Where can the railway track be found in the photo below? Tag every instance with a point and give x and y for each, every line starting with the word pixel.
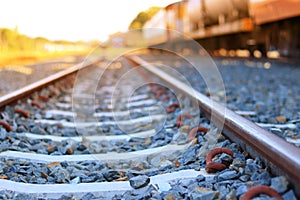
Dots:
pixel 114 131
pixel 27 74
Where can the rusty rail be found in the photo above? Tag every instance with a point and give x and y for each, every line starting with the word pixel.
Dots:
pixel 24 92
pixel 283 157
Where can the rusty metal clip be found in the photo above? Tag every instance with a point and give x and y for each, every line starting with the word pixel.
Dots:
pixel 261 189
pixel 22 112
pixel 179 119
pixel 171 106
pixel 6 126
pixel 212 167
pixel 36 104
pixel 195 130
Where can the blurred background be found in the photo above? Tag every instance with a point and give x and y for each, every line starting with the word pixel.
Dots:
pixel 39 38
pixel 34 30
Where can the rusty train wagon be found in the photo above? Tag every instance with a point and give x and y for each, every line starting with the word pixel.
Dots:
pixel 259 26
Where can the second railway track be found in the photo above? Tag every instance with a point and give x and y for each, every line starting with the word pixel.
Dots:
pixel 82 137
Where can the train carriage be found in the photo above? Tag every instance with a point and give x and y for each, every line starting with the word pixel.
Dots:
pixel 259 26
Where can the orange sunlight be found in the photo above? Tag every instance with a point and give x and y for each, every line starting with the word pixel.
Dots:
pixel 72 20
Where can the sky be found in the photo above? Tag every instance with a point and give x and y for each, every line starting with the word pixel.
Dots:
pixel 72 20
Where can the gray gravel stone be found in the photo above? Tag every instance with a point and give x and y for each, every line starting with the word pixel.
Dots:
pixel 139 181
pixel 190 155
pixel 231 195
pixel 200 178
pixel 75 180
pixel 226 159
pixel 88 196
pixel 180 138
pixel 290 195
pixel 263 178
pixel 251 168
pixel 61 175
pixel 21 196
pixel 241 190
pixel 38 130
pixel 203 194
pixel 159 161
pixel 238 162
pixel 3 134
pixel 110 175
pixel 280 184
pixel 244 178
pixel 226 175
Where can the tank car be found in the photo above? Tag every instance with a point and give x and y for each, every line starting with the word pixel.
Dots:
pixel 255 25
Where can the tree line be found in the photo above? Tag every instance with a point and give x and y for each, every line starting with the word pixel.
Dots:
pixel 12 40
pixel 141 18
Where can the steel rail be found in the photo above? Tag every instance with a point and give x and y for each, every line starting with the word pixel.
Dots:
pixel 24 92
pixel 283 157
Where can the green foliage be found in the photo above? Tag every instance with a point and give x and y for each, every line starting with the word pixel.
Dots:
pixel 12 40
pixel 143 17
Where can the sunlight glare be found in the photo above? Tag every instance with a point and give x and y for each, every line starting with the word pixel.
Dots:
pixel 72 20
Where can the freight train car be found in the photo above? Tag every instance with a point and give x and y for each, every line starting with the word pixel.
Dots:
pixel 259 26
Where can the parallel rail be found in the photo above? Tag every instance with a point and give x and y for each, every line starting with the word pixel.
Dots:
pixel 14 97
pixel 281 155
